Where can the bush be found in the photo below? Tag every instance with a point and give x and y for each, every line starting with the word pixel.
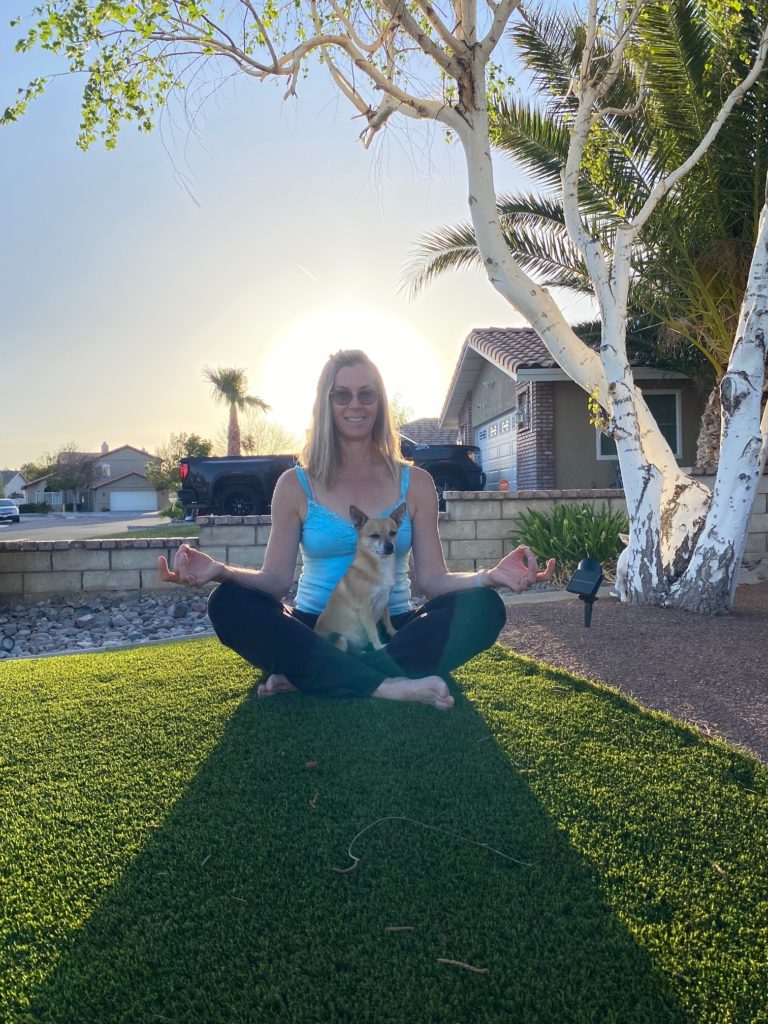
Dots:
pixel 572 532
pixel 174 511
pixel 32 506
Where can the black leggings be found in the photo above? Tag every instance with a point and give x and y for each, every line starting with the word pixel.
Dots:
pixel 432 640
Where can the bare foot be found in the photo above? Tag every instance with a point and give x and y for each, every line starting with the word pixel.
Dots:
pixel 428 690
pixel 277 683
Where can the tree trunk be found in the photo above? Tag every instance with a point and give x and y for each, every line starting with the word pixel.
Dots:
pixel 233 433
pixel 708 441
pixel 686 542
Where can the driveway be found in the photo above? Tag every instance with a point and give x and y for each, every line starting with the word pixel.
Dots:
pixel 79 526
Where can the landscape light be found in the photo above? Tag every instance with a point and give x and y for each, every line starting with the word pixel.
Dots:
pixel 586 582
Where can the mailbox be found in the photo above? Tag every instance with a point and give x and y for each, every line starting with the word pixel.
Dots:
pixel 586 582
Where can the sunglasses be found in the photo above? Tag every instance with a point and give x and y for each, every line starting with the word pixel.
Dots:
pixel 365 396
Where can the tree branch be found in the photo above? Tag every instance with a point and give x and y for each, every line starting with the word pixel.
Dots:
pixel 503 11
pixel 263 30
pixel 448 38
pixel 400 12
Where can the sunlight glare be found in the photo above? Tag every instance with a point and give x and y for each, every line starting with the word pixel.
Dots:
pixel 289 372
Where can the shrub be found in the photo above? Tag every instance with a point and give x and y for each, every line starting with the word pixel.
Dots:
pixel 32 506
pixel 174 511
pixel 571 532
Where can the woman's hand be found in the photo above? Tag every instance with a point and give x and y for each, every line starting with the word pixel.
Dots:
pixel 519 569
pixel 191 568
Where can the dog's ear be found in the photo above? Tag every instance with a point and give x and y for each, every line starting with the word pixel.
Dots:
pixel 398 514
pixel 358 517
pixel 624 538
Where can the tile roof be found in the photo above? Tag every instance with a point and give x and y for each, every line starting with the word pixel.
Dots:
pixel 427 431
pixel 101 485
pixel 123 447
pixel 509 348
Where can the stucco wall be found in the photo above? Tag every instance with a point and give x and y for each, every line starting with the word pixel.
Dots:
pixel 492 395
pixel 576 462
pixel 123 461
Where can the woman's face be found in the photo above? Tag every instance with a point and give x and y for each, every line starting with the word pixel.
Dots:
pixel 354 421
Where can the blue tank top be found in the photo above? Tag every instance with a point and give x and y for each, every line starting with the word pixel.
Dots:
pixel 328 544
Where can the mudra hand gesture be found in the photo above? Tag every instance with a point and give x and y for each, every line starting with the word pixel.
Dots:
pixel 191 568
pixel 519 569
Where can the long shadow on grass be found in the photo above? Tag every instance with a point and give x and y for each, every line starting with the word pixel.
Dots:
pixel 234 912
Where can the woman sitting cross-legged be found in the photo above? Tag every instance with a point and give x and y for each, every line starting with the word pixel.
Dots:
pixel 352 457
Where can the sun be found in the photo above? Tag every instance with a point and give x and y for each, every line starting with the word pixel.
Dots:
pixel 289 373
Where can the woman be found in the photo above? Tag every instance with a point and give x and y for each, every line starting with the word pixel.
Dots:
pixel 352 457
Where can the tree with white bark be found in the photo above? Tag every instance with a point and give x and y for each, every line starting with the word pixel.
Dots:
pixel 437 62
pixel 689 270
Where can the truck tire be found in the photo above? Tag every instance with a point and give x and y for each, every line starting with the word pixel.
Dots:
pixel 242 501
pixel 446 480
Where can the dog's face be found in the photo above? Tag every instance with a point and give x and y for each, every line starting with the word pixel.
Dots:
pixel 377 536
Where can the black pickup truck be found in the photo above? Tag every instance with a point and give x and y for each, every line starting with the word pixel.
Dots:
pixel 243 485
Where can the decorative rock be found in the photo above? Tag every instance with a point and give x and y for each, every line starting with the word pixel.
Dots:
pixel 57 625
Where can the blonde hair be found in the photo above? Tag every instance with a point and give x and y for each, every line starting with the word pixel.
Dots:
pixel 321 454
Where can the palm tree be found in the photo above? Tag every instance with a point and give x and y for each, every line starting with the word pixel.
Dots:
pixel 690 272
pixel 230 385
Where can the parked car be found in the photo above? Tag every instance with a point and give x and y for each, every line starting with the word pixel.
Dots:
pixel 243 485
pixel 9 510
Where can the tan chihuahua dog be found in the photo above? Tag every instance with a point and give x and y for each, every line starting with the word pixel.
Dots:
pixel 360 600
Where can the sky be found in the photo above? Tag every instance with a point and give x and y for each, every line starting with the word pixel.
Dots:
pixel 264 236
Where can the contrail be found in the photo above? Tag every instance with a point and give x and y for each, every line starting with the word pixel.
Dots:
pixel 310 276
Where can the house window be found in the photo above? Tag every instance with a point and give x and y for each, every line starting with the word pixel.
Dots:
pixel 665 409
pixel 506 425
pixel 493 430
pixel 523 414
pixel 482 435
pixel 106 469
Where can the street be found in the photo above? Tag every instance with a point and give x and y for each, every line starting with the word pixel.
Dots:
pixel 80 526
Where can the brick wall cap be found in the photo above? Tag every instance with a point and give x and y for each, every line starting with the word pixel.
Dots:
pixel 235 521
pixel 472 495
pixel 529 495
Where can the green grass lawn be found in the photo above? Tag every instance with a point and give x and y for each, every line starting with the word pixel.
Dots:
pixel 169 846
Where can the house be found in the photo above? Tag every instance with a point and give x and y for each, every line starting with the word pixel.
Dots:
pixel 33 489
pixel 13 483
pixel 113 481
pixel 428 431
pixel 119 482
pixel 509 397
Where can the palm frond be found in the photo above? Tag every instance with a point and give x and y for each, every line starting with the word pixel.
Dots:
pixel 539 144
pixel 536 141
pixel 550 44
pixel 535 232
pixel 437 252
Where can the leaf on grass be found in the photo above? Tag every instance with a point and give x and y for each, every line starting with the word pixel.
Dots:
pixel 460 963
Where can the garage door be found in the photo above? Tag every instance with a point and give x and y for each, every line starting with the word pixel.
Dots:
pixel 133 501
pixel 496 440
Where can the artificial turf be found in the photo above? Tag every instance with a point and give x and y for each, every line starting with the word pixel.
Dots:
pixel 168 846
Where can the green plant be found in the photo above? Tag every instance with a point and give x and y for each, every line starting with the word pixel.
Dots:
pixel 571 532
pixel 174 511
pixel 35 506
